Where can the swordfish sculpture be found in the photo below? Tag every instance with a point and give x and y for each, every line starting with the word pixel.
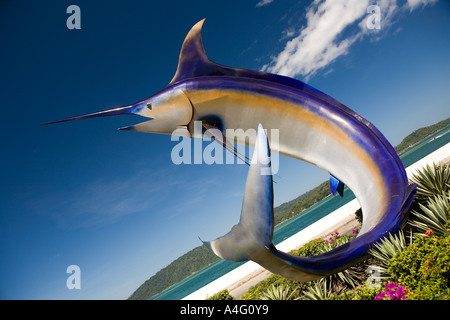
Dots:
pixel 312 127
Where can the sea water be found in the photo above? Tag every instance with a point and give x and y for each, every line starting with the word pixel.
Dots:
pixel 297 223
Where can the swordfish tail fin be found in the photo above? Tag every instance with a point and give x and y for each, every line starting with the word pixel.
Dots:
pixel 251 238
pixel 254 231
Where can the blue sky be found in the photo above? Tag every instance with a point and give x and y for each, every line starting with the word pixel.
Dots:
pixel 112 202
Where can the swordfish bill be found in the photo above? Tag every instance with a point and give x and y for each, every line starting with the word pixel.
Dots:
pixel 312 127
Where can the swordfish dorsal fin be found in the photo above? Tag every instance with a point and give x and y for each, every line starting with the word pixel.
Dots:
pixel 193 61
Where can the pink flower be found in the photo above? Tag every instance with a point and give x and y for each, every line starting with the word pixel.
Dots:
pixel 394 292
pixel 390 286
pixel 380 296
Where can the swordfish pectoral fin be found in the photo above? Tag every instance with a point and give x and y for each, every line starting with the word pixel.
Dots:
pixel 220 138
pixel 336 186
pixel 254 231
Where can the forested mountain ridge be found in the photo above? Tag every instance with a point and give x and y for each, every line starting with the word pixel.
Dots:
pixel 200 257
pixel 420 134
pixel 190 262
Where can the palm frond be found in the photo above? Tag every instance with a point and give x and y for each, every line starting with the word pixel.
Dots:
pixel 319 291
pixel 431 181
pixel 280 292
pixel 434 215
pixel 347 277
pixel 385 250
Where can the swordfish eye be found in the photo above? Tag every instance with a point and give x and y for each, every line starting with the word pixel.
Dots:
pixel 149 106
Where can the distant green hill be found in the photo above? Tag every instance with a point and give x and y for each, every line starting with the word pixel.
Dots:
pixel 421 134
pixel 200 257
pixel 182 267
pixel 290 209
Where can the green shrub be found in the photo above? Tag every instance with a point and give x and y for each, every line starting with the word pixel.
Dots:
pixel 385 250
pixel 256 291
pixel 259 290
pixel 280 292
pixel 424 268
pixel 337 282
pixel 361 293
pixel 358 214
pixel 222 295
pixel 349 277
pixel 311 248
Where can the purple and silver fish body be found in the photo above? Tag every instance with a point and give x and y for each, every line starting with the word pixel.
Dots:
pixel 311 127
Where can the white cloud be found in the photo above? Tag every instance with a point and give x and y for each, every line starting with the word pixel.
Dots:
pixel 414 4
pixel 318 43
pixel 332 26
pixel 263 3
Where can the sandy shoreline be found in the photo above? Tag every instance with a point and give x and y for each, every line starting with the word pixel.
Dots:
pixel 239 280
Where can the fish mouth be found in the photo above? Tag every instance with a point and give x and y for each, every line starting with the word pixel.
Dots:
pixel 168 112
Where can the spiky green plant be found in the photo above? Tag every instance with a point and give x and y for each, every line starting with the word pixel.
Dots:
pixel 435 215
pixel 280 292
pixel 431 181
pixel 385 250
pixel 348 277
pixel 321 290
